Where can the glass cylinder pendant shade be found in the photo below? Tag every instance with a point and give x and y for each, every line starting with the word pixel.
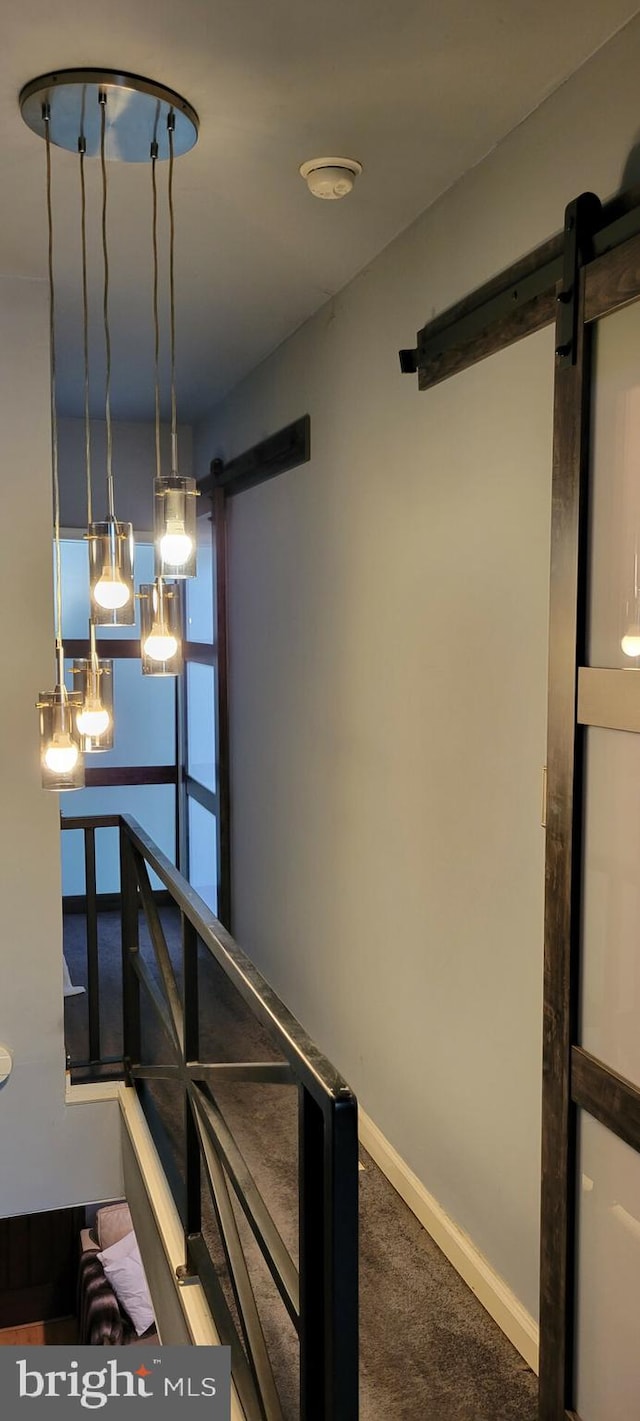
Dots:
pixel 94 681
pixel 160 629
pixel 630 642
pixel 111 573
pixel 61 758
pixel 174 523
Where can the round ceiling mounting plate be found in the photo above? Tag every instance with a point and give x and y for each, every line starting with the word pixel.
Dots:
pixel 137 113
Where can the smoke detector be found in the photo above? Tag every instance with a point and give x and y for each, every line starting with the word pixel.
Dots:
pixel 330 177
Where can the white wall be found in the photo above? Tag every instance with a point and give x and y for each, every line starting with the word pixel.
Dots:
pixel 51 1155
pixel 388 679
pixel 134 466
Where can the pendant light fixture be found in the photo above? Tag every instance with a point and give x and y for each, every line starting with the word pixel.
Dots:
pixel 160 601
pixel 61 760
pixel 93 676
pixel 117 117
pixel 174 502
pixel 161 628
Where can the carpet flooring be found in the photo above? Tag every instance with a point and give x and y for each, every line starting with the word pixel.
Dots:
pixel 428 1349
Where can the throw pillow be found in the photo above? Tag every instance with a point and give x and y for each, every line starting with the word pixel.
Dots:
pixel 113 1222
pixel 123 1267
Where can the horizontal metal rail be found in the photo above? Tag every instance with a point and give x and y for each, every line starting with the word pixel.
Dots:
pixel 83 821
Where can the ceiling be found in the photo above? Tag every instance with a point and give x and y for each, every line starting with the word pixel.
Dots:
pixel 418 91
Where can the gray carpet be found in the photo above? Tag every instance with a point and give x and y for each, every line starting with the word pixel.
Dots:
pixel 429 1351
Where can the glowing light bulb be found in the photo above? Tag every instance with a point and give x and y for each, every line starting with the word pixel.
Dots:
pixel 111 592
pixel 176 545
pixel 631 642
pixel 61 754
pixel 93 719
pixel 160 644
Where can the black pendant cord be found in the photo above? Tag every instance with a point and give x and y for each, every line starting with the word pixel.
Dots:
pixel 105 307
pixel 156 319
pixel 171 123
pixel 82 149
pixel 46 114
pixel 156 337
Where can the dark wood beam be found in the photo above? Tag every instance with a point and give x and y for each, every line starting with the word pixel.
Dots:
pixel 204 652
pixel 129 775
pixel 222 731
pixel 521 299
pixel 205 796
pixel 609 1097
pixel 563 855
pixel 437 365
pixel 613 280
pixel 112 648
pixel 272 456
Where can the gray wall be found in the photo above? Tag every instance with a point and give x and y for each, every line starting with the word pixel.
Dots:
pixel 388 679
pixel 134 466
pixel 51 1155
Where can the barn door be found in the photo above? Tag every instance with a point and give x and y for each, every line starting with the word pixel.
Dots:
pixel 590 1262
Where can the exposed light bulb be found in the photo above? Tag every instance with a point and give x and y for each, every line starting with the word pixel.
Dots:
pixel 61 754
pixel 176 545
pixel 631 642
pixel 160 644
pixel 111 591
pixel 93 720
pixel 174 524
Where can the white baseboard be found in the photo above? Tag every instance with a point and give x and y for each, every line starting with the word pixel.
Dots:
pixel 490 1289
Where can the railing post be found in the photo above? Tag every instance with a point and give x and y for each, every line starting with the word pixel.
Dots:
pixel 193 1199
pixel 312 1228
pixel 93 963
pixel 328 1182
pixel 341 1258
pixel 130 945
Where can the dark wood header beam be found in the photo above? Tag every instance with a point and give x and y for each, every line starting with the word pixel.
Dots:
pixel 518 301
pixel 282 451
